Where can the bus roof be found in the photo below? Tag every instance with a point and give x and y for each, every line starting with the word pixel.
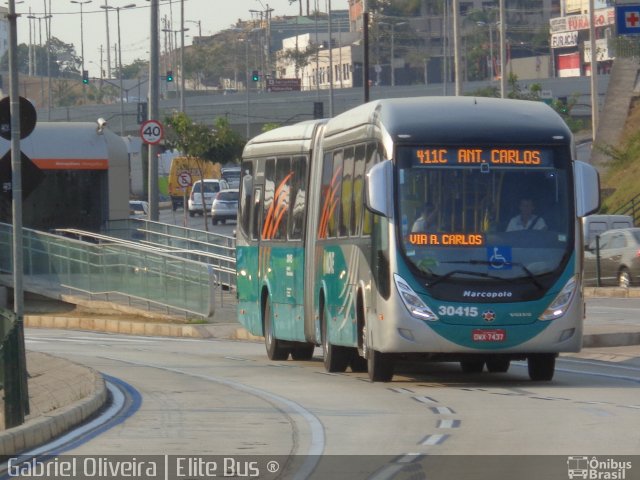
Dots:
pixel 443 120
pixel 289 139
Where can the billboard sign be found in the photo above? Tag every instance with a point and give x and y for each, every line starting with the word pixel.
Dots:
pixel 603 17
pixel 564 39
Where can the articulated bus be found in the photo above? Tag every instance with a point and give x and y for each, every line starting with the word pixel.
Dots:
pixel 328 253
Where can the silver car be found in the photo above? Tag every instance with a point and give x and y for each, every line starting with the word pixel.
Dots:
pixel 225 206
pixel 619 262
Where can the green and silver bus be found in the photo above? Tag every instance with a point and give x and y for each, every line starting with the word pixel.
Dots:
pixel 329 251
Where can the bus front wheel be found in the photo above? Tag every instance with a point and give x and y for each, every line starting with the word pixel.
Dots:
pixel 275 351
pixel 541 366
pixel 336 359
pixel 380 366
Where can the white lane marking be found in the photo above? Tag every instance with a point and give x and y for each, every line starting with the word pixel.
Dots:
pixel 442 410
pixel 116 405
pixel 448 423
pixel 426 400
pixel 315 426
pixel 436 439
pixel 401 390
pixel 409 457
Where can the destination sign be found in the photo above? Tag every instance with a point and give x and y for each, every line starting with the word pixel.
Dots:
pixel 446 239
pixel 498 156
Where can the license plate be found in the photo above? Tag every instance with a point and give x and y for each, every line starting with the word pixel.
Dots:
pixel 496 335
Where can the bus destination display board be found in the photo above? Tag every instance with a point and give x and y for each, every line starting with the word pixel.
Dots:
pixel 469 156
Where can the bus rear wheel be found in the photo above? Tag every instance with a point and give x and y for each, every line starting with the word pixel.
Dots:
pixel 498 365
pixel 541 366
pixel 335 358
pixel 472 366
pixel 303 352
pixel 275 351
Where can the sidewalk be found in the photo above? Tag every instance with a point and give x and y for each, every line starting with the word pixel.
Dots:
pixel 63 394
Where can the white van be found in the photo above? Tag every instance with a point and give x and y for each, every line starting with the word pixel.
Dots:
pixel 211 187
pixel 593 225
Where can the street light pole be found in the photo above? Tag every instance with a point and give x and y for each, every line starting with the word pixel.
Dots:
pixel 81 3
pixel 106 8
pixel 182 55
pixel 503 53
pixel 131 5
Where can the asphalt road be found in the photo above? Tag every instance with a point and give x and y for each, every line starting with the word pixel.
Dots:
pixel 226 398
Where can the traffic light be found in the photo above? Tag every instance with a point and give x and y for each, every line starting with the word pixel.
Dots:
pixel 255 76
pixel 85 76
pixel 169 75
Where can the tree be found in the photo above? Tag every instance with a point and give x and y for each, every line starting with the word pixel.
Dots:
pixel 218 144
pixel 62 58
pixel 300 58
pixel 135 69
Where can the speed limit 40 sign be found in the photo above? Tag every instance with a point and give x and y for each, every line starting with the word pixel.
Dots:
pixel 151 131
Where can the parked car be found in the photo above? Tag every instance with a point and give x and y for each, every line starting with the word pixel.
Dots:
pixel 225 206
pixel 619 252
pixel 138 209
pixel 210 187
pixel 593 225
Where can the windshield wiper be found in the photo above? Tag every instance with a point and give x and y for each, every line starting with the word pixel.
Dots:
pixel 529 273
pixel 460 272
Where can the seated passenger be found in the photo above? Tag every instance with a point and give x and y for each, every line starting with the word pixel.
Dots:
pixel 427 221
pixel 526 219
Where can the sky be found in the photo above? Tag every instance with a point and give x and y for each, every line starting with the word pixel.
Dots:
pixel 214 15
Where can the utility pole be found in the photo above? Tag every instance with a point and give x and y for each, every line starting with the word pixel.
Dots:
pixel 106 13
pixel 594 71
pixel 16 388
pixel 503 51
pixel 153 111
pixel 365 46
pixel 456 48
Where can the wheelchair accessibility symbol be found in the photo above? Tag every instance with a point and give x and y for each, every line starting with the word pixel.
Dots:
pixel 499 258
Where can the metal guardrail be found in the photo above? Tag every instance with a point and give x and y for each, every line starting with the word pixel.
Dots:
pixel 632 207
pixel 198 245
pixel 114 270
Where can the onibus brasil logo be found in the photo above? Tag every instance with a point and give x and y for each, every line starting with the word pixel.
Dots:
pixel 595 468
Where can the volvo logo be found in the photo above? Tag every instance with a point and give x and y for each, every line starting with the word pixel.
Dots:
pixel 489 316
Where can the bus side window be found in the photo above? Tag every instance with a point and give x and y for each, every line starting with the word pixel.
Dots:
pixel 358 191
pixel 246 191
pixel 257 209
pixel 347 193
pixel 325 189
pixel 269 191
pixel 298 197
pixel 334 194
pixel 281 201
pixel 372 159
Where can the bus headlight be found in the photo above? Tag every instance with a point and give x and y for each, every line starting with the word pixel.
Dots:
pixel 558 307
pixel 412 301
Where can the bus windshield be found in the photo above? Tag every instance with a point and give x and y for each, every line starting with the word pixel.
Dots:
pixel 484 214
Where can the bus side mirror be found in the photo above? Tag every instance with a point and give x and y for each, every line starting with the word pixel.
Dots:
pixel 587 184
pixel 378 188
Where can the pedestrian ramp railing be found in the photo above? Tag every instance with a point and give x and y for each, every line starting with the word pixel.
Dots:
pixel 114 270
pixel 218 251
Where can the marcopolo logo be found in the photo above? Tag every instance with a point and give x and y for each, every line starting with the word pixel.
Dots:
pixel 487 294
pixel 595 468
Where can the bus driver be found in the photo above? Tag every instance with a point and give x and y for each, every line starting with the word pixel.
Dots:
pixel 526 219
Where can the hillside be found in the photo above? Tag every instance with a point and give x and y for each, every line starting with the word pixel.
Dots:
pixel 619 181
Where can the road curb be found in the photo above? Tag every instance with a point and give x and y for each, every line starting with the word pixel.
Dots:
pixel 41 429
